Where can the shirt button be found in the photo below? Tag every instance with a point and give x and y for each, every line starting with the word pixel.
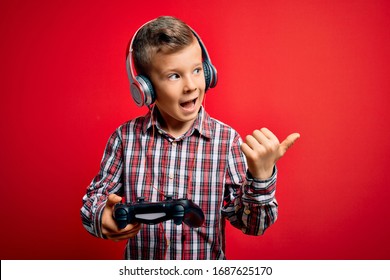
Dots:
pixel 174 144
pixel 171 176
pixel 247 211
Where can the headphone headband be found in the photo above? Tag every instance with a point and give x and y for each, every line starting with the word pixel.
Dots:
pixel 141 88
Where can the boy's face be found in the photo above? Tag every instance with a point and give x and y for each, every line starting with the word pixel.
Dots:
pixel 179 82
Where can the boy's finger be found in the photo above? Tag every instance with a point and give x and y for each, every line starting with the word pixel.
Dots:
pixel 289 141
pixel 113 199
pixel 268 133
pixel 262 137
pixel 245 148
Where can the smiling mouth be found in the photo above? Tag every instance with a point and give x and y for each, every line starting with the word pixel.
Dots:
pixel 189 104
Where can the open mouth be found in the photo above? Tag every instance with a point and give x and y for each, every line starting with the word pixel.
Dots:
pixel 189 105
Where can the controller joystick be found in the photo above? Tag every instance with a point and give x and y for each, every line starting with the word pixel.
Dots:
pixel 178 210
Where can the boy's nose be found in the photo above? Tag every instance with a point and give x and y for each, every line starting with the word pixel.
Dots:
pixel 190 85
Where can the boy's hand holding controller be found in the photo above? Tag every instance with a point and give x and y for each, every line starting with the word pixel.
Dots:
pixel 262 150
pixel 109 226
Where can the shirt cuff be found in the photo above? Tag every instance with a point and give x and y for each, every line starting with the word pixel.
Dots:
pixel 250 178
pixel 259 191
pixel 98 221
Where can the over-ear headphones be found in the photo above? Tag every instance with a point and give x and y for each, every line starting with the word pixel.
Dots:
pixel 141 88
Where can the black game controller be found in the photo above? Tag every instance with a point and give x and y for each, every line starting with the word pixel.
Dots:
pixel 179 210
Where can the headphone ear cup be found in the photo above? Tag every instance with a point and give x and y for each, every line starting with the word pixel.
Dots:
pixel 207 74
pixel 137 94
pixel 210 75
pixel 146 94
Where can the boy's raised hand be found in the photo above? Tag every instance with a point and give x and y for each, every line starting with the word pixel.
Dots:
pixel 109 227
pixel 262 150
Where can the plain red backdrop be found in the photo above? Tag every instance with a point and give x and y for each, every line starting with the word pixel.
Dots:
pixel 320 68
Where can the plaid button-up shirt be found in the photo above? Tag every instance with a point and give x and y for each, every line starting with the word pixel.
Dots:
pixel 205 165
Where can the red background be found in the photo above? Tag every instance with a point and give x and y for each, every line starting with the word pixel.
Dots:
pixel 320 68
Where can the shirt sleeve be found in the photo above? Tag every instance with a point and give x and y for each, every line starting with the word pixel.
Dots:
pixel 107 181
pixel 249 204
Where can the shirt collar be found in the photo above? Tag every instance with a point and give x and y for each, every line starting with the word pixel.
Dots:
pixel 203 117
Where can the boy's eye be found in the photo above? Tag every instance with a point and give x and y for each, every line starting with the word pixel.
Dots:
pixel 173 77
pixel 197 70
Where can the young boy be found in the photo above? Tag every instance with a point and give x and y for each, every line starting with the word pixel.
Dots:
pixel 177 149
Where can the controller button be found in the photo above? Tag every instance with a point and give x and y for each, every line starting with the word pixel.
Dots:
pixel 121 212
pixel 179 208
